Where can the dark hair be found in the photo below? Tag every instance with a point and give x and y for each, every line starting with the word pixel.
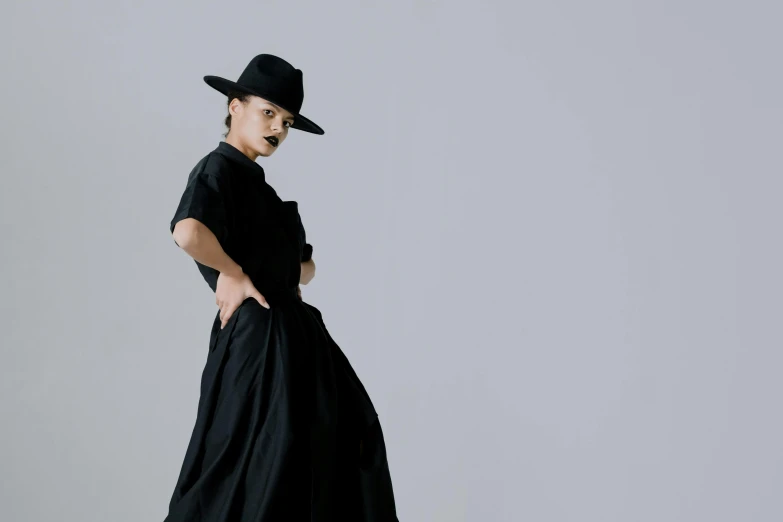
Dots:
pixel 241 96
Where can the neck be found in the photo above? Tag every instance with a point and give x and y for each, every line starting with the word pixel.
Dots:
pixel 231 140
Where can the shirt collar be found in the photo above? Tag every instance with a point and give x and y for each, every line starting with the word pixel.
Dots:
pixel 238 156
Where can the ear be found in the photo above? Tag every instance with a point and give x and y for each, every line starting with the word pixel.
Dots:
pixel 235 107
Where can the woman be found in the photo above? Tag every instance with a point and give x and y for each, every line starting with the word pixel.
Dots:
pixel 285 431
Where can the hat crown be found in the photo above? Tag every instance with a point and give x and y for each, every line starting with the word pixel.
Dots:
pixel 272 76
pixel 272 65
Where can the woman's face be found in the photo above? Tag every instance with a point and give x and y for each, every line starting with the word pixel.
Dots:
pixel 257 123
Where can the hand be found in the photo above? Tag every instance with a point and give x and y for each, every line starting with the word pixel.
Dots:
pixel 307 271
pixel 231 291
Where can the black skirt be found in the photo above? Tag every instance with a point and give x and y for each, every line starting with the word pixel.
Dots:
pixel 280 419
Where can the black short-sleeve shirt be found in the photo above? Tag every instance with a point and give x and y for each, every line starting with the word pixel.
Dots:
pixel 228 193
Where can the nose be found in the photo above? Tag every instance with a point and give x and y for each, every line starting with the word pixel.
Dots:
pixel 277 126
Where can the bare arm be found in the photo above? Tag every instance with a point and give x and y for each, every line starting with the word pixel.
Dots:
pixel 308 271
pixel 200 243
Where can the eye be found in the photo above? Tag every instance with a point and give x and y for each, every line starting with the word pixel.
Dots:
pixel 287 123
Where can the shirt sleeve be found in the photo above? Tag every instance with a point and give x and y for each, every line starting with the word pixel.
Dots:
pixel 204 201
pixel 307 248
pixel 307 252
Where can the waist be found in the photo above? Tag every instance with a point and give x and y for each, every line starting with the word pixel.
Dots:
pixel 274 295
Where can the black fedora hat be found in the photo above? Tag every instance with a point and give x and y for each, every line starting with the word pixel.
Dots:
pixel 275 80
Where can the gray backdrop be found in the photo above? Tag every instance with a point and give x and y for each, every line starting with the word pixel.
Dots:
pixel 547 237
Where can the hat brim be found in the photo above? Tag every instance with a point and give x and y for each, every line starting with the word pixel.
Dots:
pixel 225 86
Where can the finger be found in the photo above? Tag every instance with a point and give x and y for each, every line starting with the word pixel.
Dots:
pixel 261 299
pixel 225 315
pixel 230 311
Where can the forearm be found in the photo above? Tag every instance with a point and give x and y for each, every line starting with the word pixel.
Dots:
pixel 308 271
pixel 200 243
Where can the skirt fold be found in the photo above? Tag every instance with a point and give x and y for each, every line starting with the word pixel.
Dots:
pixel 277 433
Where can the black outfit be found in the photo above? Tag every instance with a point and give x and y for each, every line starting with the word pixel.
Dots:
pixel 281 411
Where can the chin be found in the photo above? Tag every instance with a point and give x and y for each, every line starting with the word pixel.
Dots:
pixel 267 150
